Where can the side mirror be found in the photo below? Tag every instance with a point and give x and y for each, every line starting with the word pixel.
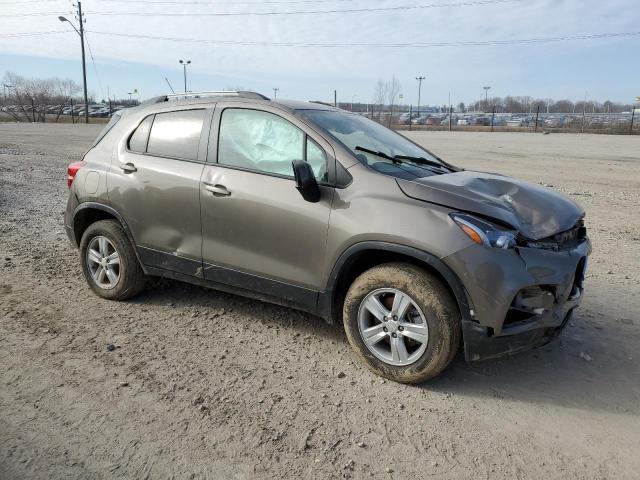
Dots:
pixel 306 182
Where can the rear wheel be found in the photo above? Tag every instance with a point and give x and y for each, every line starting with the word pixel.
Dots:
pixel 109 262
pixel 402 321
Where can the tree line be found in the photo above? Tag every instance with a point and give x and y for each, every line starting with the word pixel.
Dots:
pixel 32 98
pixel 524 104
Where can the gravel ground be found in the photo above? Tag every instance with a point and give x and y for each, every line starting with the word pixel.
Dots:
pixel 187 383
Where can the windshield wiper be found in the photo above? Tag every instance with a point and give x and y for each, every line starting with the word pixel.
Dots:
pixel 400 158
pixel 379 154
pixel 421 160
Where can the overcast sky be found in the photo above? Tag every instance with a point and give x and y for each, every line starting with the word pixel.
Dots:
pixel 604 68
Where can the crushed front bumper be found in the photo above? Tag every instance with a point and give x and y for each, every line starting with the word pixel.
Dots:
pixel 519 298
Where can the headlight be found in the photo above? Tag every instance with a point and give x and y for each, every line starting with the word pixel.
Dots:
pixel 485 233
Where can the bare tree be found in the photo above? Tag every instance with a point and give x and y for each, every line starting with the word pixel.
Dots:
pixel 66 90
pixel 393 90
pixel 33 97
pixel 380 96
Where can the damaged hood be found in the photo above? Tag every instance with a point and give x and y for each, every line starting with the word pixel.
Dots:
pixel 536 212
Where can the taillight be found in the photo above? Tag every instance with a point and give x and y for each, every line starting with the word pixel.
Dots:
pixel 72 170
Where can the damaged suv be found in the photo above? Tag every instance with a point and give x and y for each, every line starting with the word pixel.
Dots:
pixel 312 207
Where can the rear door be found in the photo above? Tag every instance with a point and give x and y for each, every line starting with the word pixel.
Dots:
pixel 154 184
pixel 258 232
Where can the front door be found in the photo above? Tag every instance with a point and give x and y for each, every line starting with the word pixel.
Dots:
pixel 258 232
pixel 154 183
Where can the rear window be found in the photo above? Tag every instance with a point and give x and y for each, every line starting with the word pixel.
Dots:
pixel 107 128
pixel 176 134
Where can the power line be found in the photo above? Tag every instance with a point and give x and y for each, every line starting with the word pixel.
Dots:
pixel 178 2
pixel 32 34
pixel 472 43
pixel 468 3
pixel 95 69
pixel 25 2
pixel 194 2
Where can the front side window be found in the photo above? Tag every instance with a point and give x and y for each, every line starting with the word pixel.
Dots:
pixel 264 142
pixel 176 134
pixel 318 160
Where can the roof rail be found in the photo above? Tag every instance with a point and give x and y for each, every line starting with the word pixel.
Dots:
pixel 220 93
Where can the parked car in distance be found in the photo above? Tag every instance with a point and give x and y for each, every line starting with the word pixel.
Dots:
pixel 326 211
pixel 482 121
pixel 516 122
pixel 554 122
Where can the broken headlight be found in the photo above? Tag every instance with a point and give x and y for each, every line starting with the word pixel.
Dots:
pixel 485 233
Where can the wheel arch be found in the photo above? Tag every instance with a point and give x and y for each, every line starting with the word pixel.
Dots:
pixel 364 255
pixel 90 212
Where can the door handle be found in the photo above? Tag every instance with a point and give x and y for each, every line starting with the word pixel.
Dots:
pixel 128 167
pixel 217 189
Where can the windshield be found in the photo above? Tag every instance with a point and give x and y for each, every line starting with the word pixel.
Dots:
pixel 357 131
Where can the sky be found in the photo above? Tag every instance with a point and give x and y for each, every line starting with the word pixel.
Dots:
pixel 602 68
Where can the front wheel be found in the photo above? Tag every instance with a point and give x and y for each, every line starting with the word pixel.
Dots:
pixel 109 262
pixel 402 321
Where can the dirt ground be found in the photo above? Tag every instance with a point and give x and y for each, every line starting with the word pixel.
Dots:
pixel 206 385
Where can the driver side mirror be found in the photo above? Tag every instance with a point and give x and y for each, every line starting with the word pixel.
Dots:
pixel 306 182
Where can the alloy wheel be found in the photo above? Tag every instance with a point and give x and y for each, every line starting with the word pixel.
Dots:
pixel 103 262
pixel 393 327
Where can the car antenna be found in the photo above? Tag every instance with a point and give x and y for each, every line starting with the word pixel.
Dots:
pixel 167 80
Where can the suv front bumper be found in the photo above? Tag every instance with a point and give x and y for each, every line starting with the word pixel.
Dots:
pixel 519 298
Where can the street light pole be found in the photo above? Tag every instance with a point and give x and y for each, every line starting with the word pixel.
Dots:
pixel 275 92
pixel 419 79
pixel 84 67
pixel 486 101
pixel 184 64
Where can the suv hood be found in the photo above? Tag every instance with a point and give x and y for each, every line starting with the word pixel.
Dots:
pixel 536 212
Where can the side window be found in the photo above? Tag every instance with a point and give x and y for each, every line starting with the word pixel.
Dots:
pixel 318 160
pixel 259 141
pixel 176 134
pixel 138 141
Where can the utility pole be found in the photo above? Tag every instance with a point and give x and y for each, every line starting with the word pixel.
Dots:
pixel 419 79
pixel 184 64
pixel 275 92
pixel 335 98
pixel 84 67
pixel 584 111
pixel 493 116
pixel 486 96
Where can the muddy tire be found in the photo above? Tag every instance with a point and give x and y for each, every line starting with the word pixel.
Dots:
pixel 109 262
pixel 402 321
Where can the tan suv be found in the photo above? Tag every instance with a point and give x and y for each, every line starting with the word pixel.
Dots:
pixel 325 211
